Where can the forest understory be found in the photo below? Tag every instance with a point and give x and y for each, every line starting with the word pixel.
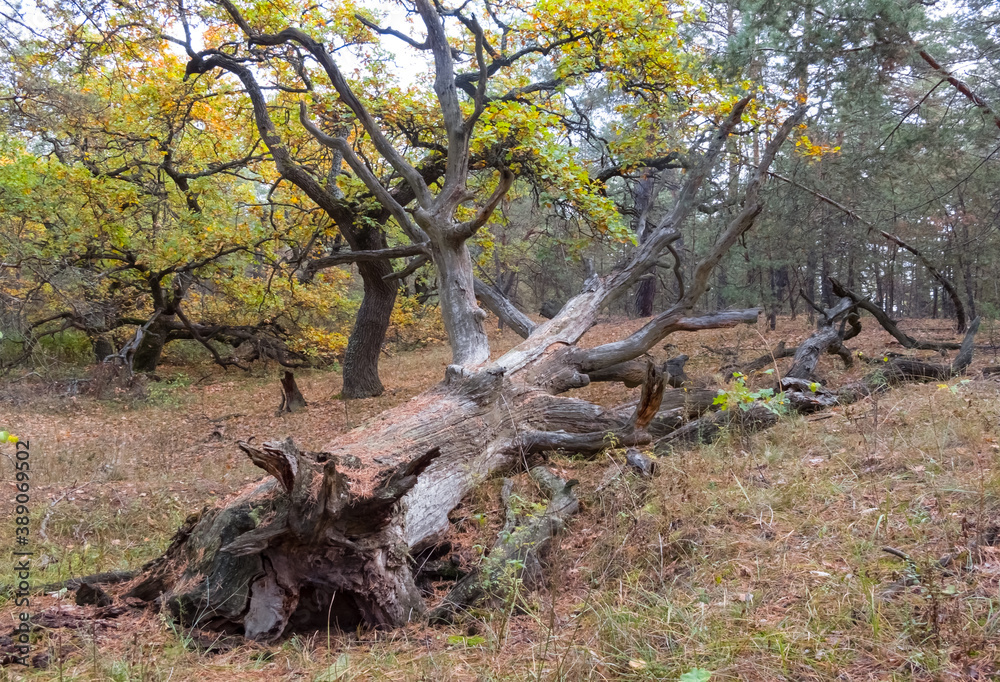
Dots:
pixel 858 543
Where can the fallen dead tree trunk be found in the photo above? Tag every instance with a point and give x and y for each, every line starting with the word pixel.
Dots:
pixel 709 428
pixel 829 338
pixel 906 369
pixel 677 407
pixel 804 396
pixel 327 539
pixel 633 372
pixel 299 549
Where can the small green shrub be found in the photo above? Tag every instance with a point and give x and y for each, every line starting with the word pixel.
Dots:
pixel 740 396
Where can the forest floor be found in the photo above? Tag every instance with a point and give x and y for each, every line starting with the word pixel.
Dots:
pixel 759 557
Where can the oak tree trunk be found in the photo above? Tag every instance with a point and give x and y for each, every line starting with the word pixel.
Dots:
pixel 147 355
pixel 463 318
pixel 643 197
pixel 364 345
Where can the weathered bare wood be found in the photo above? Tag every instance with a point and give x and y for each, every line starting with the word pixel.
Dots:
pixel 650 399
pixel 966 349
pixel 500 305
pixel 677 408
pixel 580 312
pixel 641 462
pixel 752 206
pixel 412 266
pixel 630 432
pixel 268 537
pixel 809 351
pixel 633 372
pixel 805 397
pixel 653 332
pixel 281 462
pixel 666 231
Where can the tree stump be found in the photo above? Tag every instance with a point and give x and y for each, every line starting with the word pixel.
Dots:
pixel 291 397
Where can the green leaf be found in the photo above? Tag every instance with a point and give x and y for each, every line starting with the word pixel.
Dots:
pixel 462 640
pixel 335 671
pixel 696 675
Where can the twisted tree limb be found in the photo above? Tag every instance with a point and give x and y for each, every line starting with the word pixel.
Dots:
pixel 883 319
pixel 936 274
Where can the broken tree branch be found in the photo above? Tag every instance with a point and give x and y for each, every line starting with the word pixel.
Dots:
pixel 828 335
pixel 959 85
pixel 653 331
pixel 500 305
